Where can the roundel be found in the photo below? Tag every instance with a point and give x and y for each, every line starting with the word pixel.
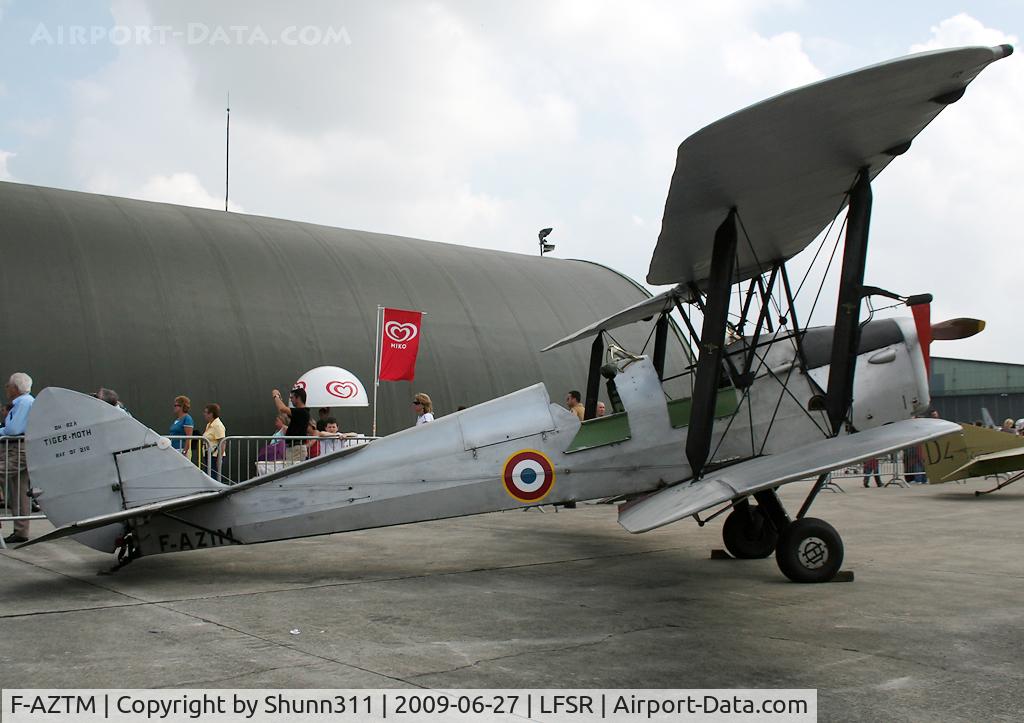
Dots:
pixel 529 475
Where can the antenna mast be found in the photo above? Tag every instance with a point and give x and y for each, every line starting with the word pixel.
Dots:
pixel 227 154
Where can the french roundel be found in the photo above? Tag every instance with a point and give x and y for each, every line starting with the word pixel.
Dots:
pixel 529 475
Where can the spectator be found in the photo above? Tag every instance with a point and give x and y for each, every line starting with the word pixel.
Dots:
pixel 214 435
pixel 275 450
pixel 424 408
pixel 913 466
pixel 572 403
pixel 1008 426
pixel 601 410
pixel 298 422
pixel 16 481
pixel 321 418
pixel 182 425
pixel 110 397
pixel 312 445
pixel 331 440
pixel 871 468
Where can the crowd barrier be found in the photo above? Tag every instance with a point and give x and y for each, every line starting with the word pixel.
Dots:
pixel 241 457
pixel 15 485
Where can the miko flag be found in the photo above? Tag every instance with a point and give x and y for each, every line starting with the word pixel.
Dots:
pixel 400 342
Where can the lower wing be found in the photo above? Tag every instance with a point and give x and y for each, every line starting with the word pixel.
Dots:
pixel 746 478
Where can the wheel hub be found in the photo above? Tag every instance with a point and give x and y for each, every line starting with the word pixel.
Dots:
pixel 812 553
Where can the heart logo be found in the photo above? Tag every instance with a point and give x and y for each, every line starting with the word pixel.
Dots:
pixel 399 332
pixel 301 384
pixel 342 390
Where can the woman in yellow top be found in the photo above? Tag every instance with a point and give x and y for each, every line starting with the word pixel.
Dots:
pixel 214 435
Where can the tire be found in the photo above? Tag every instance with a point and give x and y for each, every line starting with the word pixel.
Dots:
pixel 809 550
pixel 748 534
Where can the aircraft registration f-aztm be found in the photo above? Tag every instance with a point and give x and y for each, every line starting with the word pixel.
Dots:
pixel 769 407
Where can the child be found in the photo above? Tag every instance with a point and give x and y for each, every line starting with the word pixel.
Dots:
pixel 335 441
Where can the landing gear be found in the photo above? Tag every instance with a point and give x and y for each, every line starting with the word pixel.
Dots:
pixel 748 534
pixel 806 549
pixel 126 552
pixel 809 550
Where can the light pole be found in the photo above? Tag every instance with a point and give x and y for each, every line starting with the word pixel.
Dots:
pixel 545 247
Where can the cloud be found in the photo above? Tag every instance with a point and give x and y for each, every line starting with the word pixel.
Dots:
pixel 943 212
pixel 960 30
pixel 180 188
pixel 5 175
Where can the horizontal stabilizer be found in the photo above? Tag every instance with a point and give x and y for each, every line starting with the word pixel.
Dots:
pixel 746 478
pixel 665 301
pixel 93 523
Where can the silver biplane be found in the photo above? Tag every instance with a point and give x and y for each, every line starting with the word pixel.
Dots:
pixel 765 403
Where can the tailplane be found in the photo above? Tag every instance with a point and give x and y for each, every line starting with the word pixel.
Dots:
pixel 90 459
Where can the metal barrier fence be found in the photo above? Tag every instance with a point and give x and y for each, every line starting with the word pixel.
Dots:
pixel 241 457
pixel 897 468
pixel 15 487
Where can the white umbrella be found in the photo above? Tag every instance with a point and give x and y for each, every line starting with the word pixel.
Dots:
pixel 332 387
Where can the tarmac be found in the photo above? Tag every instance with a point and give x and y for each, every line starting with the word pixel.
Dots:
pixel 929 630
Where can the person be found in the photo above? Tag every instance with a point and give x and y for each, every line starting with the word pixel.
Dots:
pixel 298 422
pixel 331 440
pixel 913 466
pixel 182 425
pixel 321 418
pixel 16 481
pixel 572 403
pixel 871 468
pixel 110 397
pixel 601 410
pixel 424 409
pixel 214 435
pixel 312 445
pixel 274 451
pixel 1008 426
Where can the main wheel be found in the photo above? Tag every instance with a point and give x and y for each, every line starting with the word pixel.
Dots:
pixel 748 534
pixel 809 550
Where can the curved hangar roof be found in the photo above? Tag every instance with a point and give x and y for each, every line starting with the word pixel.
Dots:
pixel 156 300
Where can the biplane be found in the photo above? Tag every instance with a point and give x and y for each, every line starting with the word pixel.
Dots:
pixel 766 402
pixel 975 452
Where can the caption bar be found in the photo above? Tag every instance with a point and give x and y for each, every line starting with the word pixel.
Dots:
pixel 304 706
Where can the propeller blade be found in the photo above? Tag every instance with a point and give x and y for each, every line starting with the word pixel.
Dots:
pixel 956 329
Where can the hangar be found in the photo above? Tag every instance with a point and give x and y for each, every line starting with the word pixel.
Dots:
pixel 156 300
pixel 961 388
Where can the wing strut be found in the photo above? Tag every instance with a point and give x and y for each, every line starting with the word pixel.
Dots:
pixel 712 341
pixel 851 290
pixel 660 342
pixel 594 377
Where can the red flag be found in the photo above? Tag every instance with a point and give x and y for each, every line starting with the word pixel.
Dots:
pixel 400 341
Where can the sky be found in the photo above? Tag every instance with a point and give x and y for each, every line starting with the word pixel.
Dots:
pixel 480 122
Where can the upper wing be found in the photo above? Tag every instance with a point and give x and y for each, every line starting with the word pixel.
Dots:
pixel 754 475
pixel 665 301
pixel 787 163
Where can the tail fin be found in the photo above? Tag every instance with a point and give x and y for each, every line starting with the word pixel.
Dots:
pixel 91 459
